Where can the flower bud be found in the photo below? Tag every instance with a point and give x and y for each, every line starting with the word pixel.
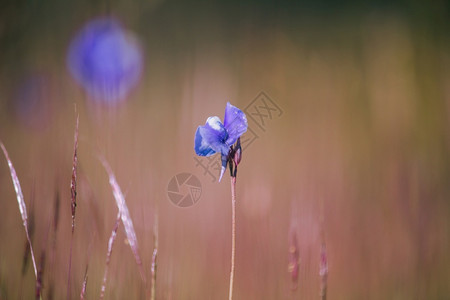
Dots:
pixel 237 152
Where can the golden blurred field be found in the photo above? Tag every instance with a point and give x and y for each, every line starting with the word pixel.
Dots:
pixel 359 153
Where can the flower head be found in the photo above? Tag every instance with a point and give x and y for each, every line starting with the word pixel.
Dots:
pixel 106 60
pixel 217 137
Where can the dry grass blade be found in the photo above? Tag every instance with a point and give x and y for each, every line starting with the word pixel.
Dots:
pixel 83 287
pixel 112 238
pixel 53 246
pixel 294 259
pixel 40 274
pixel 73 204
pixel 89 253
pixel 323 265
pixel 73 183
pixel 21 202
pixel 55 218
pixel 26 253
pixel 125 216
pixel 323 272
pixel 154 258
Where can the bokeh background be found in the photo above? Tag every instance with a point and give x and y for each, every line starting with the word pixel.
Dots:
pixel 358 159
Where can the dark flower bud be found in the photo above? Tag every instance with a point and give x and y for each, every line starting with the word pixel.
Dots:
pixel 237 152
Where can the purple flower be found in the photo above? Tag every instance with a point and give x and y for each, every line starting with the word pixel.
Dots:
pixel 32 101
pixel 215 137
pixel 105 60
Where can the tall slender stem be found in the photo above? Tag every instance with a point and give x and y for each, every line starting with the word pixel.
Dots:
pixel 70 268
pixel 233 233
pixel 73 199
pixel 154 257
pixel 112 238
pixel 323 270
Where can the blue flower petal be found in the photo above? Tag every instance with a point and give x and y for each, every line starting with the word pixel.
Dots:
pixel 224 166
pixel 211 138
pixel 235 123
pixel 201 147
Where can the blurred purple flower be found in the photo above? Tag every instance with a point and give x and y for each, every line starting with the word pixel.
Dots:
pixel 215 137
pixel 106 60
pixel 32 101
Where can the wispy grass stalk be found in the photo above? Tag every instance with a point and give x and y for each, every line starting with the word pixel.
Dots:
pixel 55 221
pixel 55 224
pixel 73 182
pixel 56 214
pixel 39 277
pixel 323 272
pixel 323 264
pixel 83 287
pixel 26 253
pixel 112 238
pixel 154 258
pixel 21 202
pixel 294 259
pixel 125 216
pixel 89 253
pixel 73 204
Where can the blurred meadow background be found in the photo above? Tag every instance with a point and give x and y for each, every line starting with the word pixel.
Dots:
pixel 355 156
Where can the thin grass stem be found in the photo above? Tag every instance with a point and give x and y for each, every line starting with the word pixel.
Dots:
pixel 84 286
pixel 73 200
pixel 125 216
pixel 112 238
pixel 21 202
pixel 154 258
pixel 233 234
